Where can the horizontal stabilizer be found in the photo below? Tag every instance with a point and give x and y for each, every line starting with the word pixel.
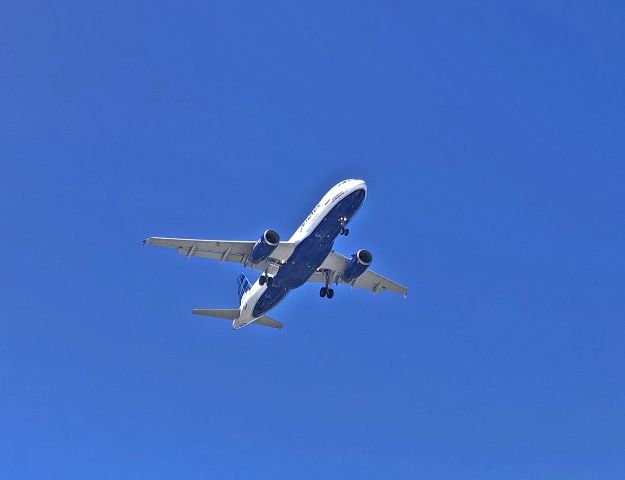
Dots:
pixel 232 313
pixel 268 322
pixel 227 313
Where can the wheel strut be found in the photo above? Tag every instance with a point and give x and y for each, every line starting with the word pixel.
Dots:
pixel 326 291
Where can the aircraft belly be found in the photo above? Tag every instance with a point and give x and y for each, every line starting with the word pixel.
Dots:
pixel 309 253
pixel 313 250
pixel 269 299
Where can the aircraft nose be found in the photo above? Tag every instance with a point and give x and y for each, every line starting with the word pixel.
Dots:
pixel 360 184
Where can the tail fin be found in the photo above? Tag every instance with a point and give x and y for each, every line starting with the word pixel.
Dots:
pixel 243 285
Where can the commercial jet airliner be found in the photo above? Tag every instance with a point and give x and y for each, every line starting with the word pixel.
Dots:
pixel 306 257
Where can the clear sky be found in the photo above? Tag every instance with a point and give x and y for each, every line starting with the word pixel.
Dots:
pixel 491 136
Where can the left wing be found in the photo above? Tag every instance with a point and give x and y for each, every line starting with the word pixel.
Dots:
pixel 334 266
pixel 222 250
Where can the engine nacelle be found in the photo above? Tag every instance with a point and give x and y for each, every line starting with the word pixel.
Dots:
pixel 357 265
pixel 265 246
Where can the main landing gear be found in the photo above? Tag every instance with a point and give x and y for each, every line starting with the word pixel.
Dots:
pixel 264 278
pixel 326 292
pixel 344 231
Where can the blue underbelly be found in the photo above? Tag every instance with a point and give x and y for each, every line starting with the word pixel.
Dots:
pixel 309 254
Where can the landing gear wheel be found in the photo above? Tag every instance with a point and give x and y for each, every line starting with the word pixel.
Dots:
pixel 262 280
pixel 323 292
pixel 346 231
pixel 330 293
pixel 269 281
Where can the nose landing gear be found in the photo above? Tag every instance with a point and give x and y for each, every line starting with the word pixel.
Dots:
pixel 343 221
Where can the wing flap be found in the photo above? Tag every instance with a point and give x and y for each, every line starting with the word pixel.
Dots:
pixel 377 283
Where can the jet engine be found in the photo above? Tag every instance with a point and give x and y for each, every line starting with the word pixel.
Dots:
pixel 357 265
pixel 265 246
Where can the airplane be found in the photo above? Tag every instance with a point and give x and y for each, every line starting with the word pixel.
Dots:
pixel 306 257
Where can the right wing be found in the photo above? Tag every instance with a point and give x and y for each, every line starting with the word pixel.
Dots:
pixel 222 250
pixel 334 265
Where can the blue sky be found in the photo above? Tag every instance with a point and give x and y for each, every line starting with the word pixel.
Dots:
pixel 491 138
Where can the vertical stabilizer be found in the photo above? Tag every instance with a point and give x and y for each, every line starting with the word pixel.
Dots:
pixel 243 285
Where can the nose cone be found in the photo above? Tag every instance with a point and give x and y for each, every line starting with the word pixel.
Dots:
pixel 353 184
pixel 360 184
pixel 356 185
